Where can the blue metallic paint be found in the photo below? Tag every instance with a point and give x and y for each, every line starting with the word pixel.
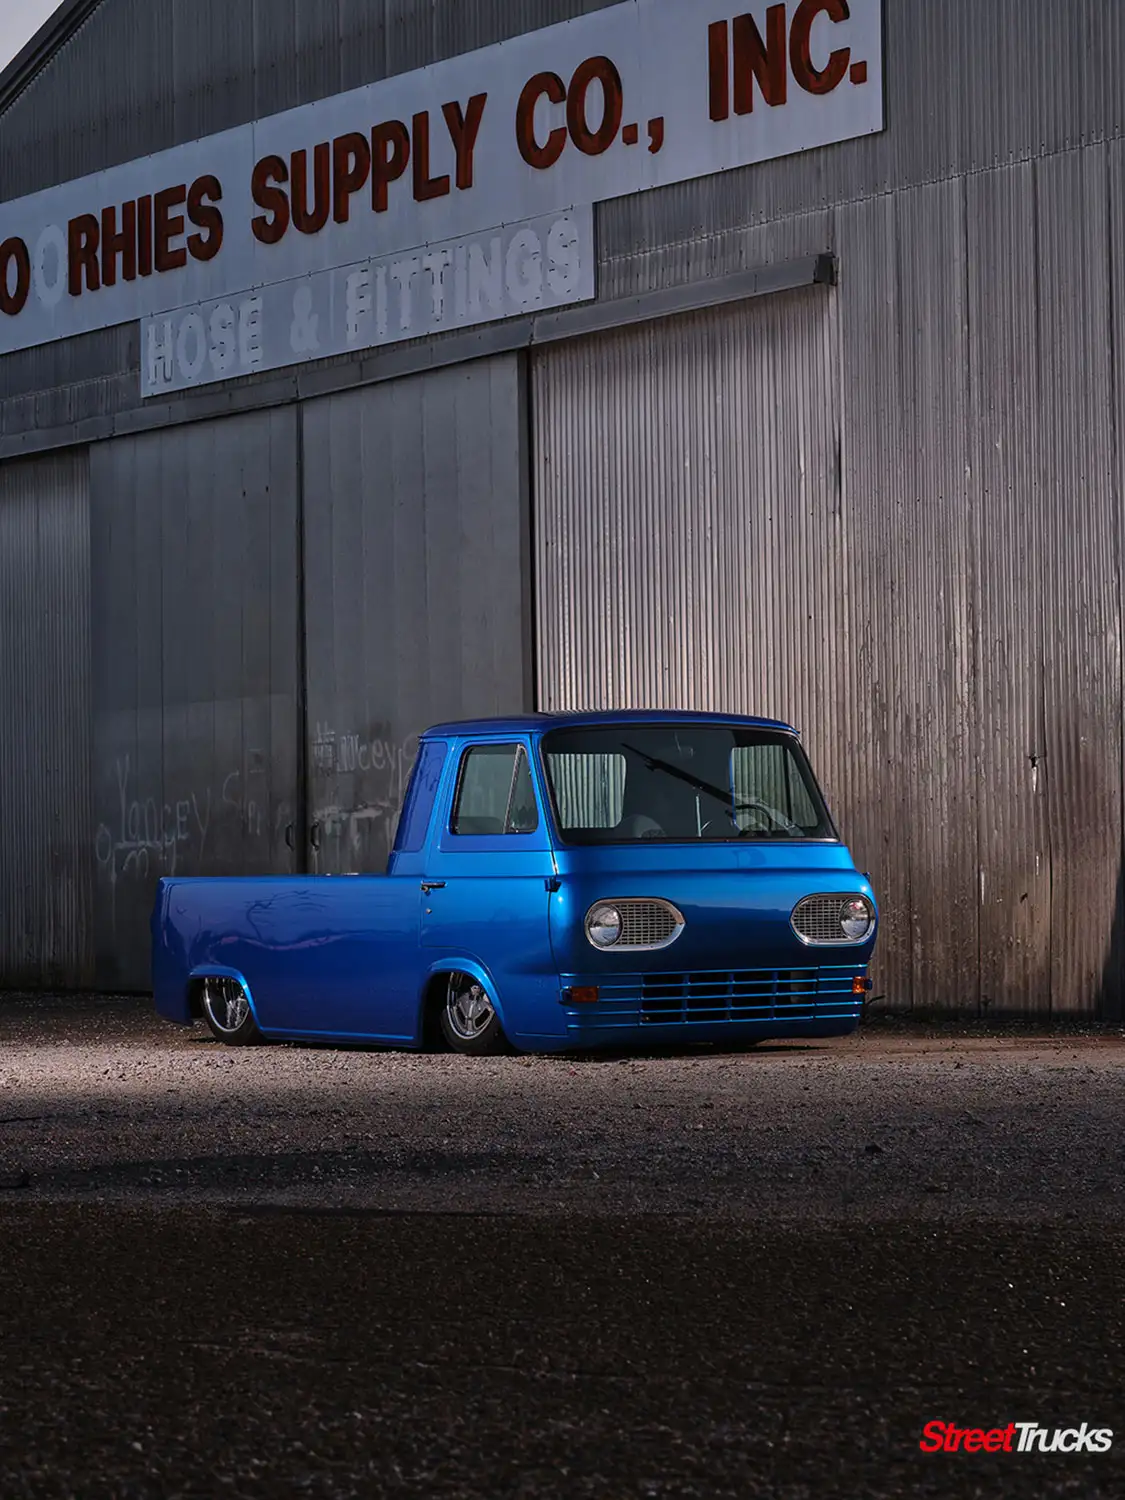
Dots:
pixel 350 958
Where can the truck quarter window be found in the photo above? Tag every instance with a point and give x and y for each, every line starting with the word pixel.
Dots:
pixel 495 794
pixel 415 819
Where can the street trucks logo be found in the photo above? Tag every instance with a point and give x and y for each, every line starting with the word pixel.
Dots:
pixel 447 197
pixel 1016 1437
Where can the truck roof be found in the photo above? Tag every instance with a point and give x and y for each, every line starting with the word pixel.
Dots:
pixel 540 723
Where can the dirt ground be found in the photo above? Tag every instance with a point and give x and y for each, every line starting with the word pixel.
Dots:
pixel 106 1102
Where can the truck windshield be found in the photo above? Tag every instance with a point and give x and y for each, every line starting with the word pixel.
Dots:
pixel 613 785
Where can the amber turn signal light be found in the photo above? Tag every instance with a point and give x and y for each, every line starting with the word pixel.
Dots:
pixel 583 994
pixel 860 985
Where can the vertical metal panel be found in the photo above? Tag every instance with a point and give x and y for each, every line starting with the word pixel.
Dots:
pixel 688 516
pixel 46 862
pixel 1015 874
pixel 195 665
pixel 1079 506
pixel 1113 1000
pixel 909 793
pixel 415 574
pixel 874 732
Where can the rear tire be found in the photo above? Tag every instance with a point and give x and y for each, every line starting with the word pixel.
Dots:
pixel 469 1022
pixel 226 1009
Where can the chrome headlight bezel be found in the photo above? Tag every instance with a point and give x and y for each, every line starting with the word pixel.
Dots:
pixel 644 924
pixel 827 922
pixel 603 915
pixel 857 910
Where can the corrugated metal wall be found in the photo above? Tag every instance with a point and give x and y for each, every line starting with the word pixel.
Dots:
pixel 195 645
pixel 416 575
pixel 687 512
pixel 948 418
pixel 46 861
pixel 891 514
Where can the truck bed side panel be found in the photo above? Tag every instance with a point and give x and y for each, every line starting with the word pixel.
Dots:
pixel 321 956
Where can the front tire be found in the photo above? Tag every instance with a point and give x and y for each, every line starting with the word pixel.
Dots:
pixel 226 1009
pixel 469 1022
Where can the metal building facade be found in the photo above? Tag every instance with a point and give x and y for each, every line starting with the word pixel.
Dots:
pixel 889 508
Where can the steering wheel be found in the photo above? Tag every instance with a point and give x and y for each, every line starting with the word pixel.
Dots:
pixel 769 818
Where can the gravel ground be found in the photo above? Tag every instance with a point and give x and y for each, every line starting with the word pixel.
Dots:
pixel 167 1353
pixel 290 1271
pixel 106 1102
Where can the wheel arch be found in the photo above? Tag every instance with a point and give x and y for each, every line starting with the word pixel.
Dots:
pixel 199 976
pixel 433 988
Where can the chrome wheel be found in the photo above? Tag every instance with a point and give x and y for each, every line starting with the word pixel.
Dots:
pixel 226 1005
pixel 468 1010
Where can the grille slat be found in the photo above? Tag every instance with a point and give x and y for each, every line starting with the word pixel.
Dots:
pixel 723 996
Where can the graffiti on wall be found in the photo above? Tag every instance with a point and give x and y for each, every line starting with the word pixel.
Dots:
pixel 146 838
pixel 378 767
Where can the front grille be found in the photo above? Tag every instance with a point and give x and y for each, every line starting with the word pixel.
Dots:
pixel 647 923
pixel 824 993
pixel 717 997
pixel 817 918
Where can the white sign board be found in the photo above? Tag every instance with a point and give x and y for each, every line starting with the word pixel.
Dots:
pixel 520 268
pixel 516 141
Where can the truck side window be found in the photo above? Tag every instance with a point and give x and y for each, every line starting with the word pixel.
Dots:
pixel 415 819
pixel 495 793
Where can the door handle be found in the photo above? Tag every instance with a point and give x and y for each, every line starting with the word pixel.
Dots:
pixel 289 842
pixel 314 835
pixel 432 885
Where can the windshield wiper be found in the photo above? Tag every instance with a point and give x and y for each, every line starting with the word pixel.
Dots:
pixel 652 763
pixel 729 805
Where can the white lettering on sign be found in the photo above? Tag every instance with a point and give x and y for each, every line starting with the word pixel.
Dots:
pixel 636 96
pixel 524 268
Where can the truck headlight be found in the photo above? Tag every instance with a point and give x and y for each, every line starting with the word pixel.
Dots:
pixel 856 919
pixel 603 925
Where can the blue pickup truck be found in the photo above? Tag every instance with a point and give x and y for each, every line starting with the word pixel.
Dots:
pixel 557 883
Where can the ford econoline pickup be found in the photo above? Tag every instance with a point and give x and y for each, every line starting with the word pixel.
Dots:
pixel 558 882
